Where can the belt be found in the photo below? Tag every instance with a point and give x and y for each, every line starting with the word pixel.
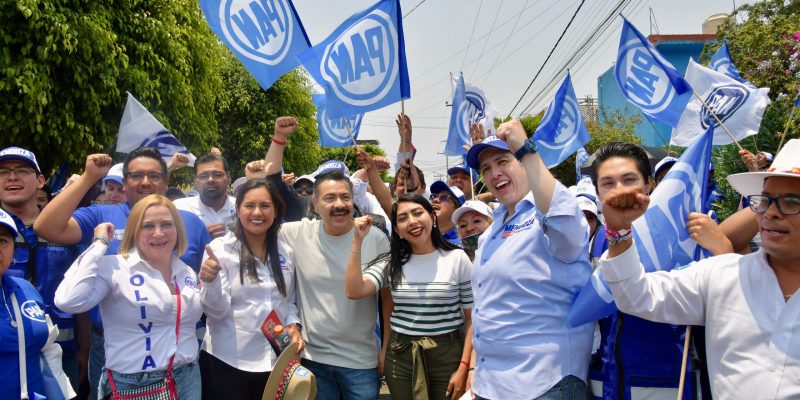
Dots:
pixel 418 344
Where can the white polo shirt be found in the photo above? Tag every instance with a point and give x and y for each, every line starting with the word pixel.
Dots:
pixel 226 215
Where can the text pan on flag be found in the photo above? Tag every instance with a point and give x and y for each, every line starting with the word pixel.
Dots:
pixel 460 119
pixel 660 235
pixel 139 128
pixel 562 130
pixel 333 130
pixel 721 62
pixel 362 64
pixel 738 105
pixel 647 79
pixel 481 111
pixel 265 35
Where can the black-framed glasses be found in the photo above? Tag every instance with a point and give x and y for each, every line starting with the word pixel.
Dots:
pixel 21 172
pixel 305 190
pixel 787 204
pixel 442 197
pixel 153 177
pixel 216 175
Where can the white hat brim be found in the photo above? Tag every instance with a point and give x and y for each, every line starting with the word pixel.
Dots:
pixel 748 183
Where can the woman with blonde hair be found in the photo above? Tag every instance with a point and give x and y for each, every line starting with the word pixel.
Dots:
pixel 149 300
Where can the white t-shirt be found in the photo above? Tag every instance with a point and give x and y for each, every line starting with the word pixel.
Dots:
pixel 337 331
pixel 235 311
pixel 435 288
pixel 226 215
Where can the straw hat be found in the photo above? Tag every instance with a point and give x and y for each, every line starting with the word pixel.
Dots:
pixel 289 380
pixel 787 163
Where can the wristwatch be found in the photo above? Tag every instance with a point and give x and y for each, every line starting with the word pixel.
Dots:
pixel 528 147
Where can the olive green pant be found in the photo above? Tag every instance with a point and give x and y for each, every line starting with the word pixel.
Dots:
pixel 420 367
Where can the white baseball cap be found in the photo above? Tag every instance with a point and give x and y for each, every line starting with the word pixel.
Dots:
pixel 586 204
pixel 5 219
pixel 472 205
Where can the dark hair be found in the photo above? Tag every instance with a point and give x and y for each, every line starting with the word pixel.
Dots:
pixel 624 150
pixel 147 152
pixel 400 250
pixel 335 175
pixel 211 157
pixel 247 261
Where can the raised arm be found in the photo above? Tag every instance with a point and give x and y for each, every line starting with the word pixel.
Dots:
pixel 55 223
pixel 541 181
pixel 380 190
pixel 83 287
pixel 404 151
pixel 357 285
pixel 284 128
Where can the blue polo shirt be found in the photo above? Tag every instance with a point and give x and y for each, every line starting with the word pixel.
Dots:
pixel 528 269
pixel 452 236
pixel 89 217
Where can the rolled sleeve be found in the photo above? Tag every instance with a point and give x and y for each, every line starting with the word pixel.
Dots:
pixel 375 273
pixel 565 228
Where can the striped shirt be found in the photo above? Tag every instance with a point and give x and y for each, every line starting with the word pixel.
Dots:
pixel 434 290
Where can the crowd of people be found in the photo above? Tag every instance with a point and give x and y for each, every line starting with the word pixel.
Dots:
pixel 337 279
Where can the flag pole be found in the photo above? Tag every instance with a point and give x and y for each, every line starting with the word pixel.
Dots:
pixel 786 127
pixel 683 361
pixel 402 120
pixel 347 126
pixel 718 120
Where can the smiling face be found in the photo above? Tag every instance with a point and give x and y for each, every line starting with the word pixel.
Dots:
pixel 471 223
pixel 780 234
pixel 20 186
pixel 460 180
pixel 414 224
pixel 333 201
pixel 256 212
pixel 138 183
pixel 158 234
pixel 620 172
pixel 444 209
pixel 504 176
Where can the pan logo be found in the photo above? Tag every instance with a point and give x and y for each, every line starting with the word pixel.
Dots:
pixel 566 126
pixel 361 64
pixel 724 101
pixel 32 311
pixel 642 80
pixel 165 143
pixel 337 129
pixel 258 29
pixel 470 111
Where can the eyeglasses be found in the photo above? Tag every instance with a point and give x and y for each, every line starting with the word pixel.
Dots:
pixel 442 197
pixel 21 172
pixel 216 175
pixel 787 204
pixel 153 177
pixel 305 190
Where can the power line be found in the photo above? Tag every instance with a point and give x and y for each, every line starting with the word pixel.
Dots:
pixel 469 43
pixel 415 7
pixel 548 57
pixel 505 42
pixel 485 42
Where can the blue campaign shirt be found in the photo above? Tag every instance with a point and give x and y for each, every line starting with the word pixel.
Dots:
pixel 89 217
pixel 452 236
pixel 527 271
pixel 36 333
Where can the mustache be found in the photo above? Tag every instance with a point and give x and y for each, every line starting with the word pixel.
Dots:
pixel 338 210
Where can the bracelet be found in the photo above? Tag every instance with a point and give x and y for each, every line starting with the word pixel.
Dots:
pixel 280 142
pixel 465 362
pixel 616 237
pixel 102 239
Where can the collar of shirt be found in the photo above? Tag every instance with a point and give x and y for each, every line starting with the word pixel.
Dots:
pixel 176 265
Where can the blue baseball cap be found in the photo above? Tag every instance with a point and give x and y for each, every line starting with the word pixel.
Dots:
pixel 460 167
pixel 331 165
pixel 114 174
pixel 20 154
pixel 5 219
pixel 440 186
pixel 490 142
pixel 665 162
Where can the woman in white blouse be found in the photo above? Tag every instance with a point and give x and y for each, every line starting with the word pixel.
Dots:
pixel 141 292
pixel 246 274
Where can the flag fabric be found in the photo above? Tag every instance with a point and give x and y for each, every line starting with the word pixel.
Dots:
pixel 739 106
pixel 660 235
pixel 458 134
pixel 562 130
pixel 581 157
pixel 481 110
pixel 797 102
pixel 647 79
pixel 332 130
pixel 266 36
pixel 362 64
pixel 139 128
pixel 721 62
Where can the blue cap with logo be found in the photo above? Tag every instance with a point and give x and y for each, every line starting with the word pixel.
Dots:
pixel 20 154
pixel 440 186
pixel 332 165
pixel 5 219
pixel 490 142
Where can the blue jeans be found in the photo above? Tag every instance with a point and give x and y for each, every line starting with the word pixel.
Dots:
pixel 569 388
pixel 186 376
pixel 335 383
pixel 97 360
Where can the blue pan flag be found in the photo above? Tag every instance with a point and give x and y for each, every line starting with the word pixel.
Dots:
pixel 660 235
pixel 721 62
pixel 362 64
pixel 648 80
pixel 797 102
pixel 562 130
pixel 581 157
pixel 333 130
pixel 266 36
pixel 458 134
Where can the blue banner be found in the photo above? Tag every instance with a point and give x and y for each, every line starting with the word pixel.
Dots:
pixel 721 62
pixel 581 157
pixel 458 134
pixel 265 35
pixel 648 80
pixel 362 64
pixel 562 130
pixel 333 130
pixel 660 235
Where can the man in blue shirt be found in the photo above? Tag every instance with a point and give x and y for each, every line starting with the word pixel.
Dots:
pixel 144 173
pixel 528 268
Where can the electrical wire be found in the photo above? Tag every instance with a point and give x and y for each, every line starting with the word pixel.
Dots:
pixel 485 42
pixel 415 7
pixel 469 43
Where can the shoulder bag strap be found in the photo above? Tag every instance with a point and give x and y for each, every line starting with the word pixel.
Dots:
pixel 23 365
pixel 177 327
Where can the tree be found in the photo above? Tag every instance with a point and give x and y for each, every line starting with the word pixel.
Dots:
pixel 765 46
pixel 65 68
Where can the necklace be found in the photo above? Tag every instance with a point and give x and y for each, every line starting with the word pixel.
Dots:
pixel 10 315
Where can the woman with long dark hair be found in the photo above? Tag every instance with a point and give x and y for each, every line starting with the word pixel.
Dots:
pixel 425 355
pixel 246 274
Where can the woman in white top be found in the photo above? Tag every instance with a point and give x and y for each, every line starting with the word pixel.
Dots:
pixel 246 274
pixel 141 292
pixel 425 355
